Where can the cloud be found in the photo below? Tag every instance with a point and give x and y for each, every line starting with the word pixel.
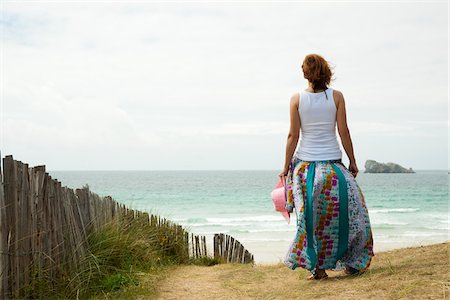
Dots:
pixel 149 75
pixel 55 119
pixel 408 128
pixel 250 128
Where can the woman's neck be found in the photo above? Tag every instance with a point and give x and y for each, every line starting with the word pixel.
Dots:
pixel 310 89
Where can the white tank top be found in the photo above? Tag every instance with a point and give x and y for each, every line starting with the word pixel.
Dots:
pixel 318 140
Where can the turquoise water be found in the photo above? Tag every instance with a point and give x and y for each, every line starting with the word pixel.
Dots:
pixel 404 209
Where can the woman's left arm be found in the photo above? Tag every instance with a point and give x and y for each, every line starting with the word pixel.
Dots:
pixel 294 132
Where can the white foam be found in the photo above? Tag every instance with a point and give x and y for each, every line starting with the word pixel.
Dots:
pixel 392 223
pixel 438 227
pixel 220 224
pixel 261 218
pixel 263 230
pixel 422 234
pixel 392 210
pixel 265 240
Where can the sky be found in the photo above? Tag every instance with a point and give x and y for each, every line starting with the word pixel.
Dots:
pixel 132 85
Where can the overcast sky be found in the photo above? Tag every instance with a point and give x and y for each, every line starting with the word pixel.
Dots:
pixel 204 85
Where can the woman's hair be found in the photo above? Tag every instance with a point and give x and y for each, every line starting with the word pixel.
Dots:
pixel 317 70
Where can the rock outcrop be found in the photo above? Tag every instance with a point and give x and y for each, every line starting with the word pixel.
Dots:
pixel 376 167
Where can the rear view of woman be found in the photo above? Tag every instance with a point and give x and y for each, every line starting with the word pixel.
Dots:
pixel 333 226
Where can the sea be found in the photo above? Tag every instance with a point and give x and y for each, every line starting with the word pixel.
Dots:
pixel 404 209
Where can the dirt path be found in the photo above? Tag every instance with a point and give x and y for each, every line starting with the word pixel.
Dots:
pixel 197 282
pixel 409 273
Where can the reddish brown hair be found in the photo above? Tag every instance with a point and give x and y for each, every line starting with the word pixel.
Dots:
pixel 317 70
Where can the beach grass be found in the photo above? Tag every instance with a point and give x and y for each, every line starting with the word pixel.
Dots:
pixel 118 254
pixel 408 273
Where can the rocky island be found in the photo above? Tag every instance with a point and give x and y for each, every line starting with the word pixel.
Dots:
pixel 376 167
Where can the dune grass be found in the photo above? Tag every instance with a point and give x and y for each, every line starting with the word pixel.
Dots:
pixel 118 254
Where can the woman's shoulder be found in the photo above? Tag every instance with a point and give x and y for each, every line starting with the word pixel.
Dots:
pixel 295 98
pixel 337 93
pixel 338 97
pixel 295 95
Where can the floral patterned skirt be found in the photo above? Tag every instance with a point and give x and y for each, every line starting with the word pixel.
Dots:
pixel 333 226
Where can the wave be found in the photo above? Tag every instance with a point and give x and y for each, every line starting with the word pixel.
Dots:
pixel 190 220
pixel 219 225
pixel 392 210
pixel 266 240
pixel 261 230
pixel 438 227
pixel 231 220
pixel 422 234
pixel 209 233
pixel 388 223
pixel 261 218
pixel 381 236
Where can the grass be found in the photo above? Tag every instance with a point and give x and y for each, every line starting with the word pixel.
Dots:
pixel 118 254
pixel 408 273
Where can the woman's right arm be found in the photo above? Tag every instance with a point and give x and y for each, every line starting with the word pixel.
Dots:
pixel 344 133
pixel 294 132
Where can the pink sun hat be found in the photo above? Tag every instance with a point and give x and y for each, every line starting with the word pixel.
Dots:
pixel 279 199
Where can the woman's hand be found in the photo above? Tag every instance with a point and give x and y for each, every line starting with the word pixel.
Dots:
pixel 353 169
pixel 283 175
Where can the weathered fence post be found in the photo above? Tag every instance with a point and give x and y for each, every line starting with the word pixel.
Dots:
pixel 230 250
pixel 4 258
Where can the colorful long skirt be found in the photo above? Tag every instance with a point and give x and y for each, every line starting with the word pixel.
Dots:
pixel 333 226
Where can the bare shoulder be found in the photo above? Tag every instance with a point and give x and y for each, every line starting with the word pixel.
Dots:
pixel 295 98
pixel 338 97
pixel 338 94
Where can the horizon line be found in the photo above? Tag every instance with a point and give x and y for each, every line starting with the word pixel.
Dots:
pixel 163 170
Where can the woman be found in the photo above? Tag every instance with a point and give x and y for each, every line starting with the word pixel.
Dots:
pixel 333 226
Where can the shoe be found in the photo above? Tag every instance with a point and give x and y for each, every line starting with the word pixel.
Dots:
pixel 315 276
pixel 352 271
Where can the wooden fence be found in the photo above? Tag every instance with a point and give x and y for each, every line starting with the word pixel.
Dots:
pixel 198 246
pixel 230 250
pixel 44 227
